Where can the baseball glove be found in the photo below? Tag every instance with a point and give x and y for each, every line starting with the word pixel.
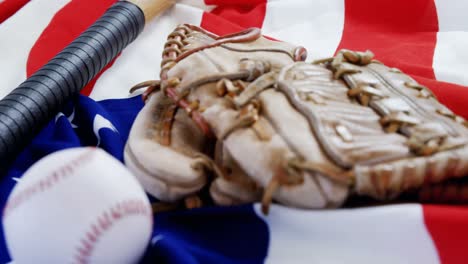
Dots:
pixel 248 117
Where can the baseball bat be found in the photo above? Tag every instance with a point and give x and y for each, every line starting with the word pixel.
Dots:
pixel 31 105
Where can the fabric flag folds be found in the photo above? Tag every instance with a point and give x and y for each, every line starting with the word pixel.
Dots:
pixel 424 38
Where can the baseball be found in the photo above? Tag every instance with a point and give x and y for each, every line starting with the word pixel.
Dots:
pixel 77 205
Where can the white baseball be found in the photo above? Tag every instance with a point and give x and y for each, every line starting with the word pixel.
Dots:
pixel 77 205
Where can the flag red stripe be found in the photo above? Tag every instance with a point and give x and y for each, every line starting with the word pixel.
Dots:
pixel 447 225
pixel 64 27
pixel 10 7
pixel 400 33
pixel 231 16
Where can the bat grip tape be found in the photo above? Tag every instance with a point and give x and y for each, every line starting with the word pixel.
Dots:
pixel 29 107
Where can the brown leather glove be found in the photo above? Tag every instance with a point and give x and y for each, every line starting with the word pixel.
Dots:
pixel 307 135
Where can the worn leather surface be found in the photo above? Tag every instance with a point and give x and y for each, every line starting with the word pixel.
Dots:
pixel 306 135
pixel 353 135
pixel 165 171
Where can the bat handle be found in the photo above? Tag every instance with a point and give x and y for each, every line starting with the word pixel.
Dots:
pixel 30 106
pixel 152 8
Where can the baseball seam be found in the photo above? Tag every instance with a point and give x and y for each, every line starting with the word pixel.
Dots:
pixel 104 222
pixel 47 182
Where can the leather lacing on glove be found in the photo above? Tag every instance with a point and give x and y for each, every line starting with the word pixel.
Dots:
pixel 233 86
pixel 420 143
pixel 396 121
pixel 175 50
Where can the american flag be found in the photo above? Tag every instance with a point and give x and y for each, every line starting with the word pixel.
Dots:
pixel 427 39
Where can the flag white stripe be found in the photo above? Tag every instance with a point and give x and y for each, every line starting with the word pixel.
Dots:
pixel 316 25
pixel 140 61
pixel 452 15
pixel 18 35
pixel 385 234
pixel 450 55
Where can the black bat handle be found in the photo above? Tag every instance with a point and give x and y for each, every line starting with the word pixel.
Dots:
pixel 30 106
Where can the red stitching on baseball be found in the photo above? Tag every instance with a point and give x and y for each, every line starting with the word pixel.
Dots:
pixel 47 182
pixel 104 222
